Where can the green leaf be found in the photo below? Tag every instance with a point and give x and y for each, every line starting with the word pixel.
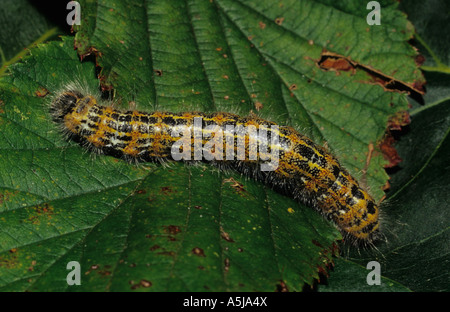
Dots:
pixel 178 227
pixel 164 225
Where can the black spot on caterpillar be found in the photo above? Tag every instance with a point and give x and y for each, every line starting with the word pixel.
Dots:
pixel 304 170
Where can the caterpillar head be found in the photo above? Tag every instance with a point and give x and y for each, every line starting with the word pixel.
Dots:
pixel 63 103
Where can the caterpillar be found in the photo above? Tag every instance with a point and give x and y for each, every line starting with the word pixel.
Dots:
pixel 293 162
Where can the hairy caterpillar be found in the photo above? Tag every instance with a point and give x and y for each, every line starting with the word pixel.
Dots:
pixel 303 169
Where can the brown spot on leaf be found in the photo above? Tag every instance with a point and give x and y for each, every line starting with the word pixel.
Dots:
pixel 145 283
pixel 40 213
pixel 279 20
pixel 258 106
pixel 104 273
pixel 158 72
pixel 225 236
pixel 389 151
pixel 226 263
pixel 171 238
pixel 166 190
pixel 293 87
pixel 419 59
pixel 387 144
pixel 41 92
pixel 262 25
pixel 31 267
pixel 198 252
pixel 92 268
pixel 135 286
pixel 172 229
pixel 142 283
pixel 154 247
pixel 9 261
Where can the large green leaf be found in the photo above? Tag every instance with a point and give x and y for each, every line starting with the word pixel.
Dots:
pixel 177 227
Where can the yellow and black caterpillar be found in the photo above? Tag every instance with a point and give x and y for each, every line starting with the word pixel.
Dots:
pixel 305 170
